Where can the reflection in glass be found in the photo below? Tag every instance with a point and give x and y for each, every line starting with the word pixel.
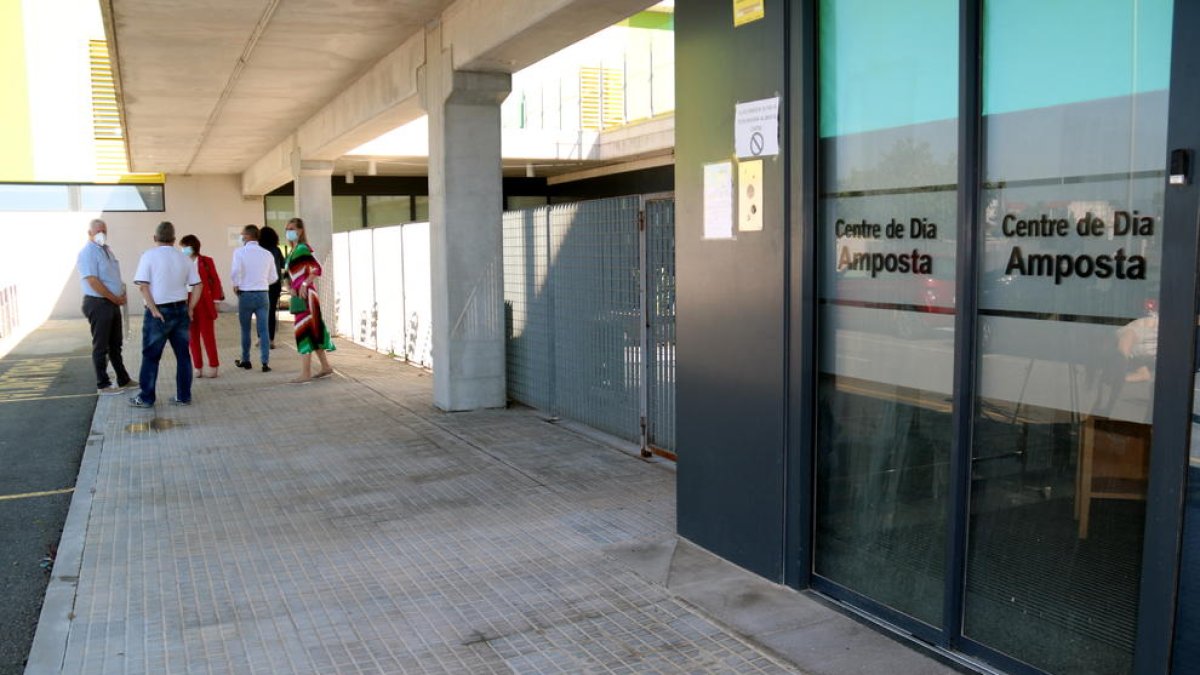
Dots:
pixel 121 197
pixel 1068 288
pixel 347 213
pixel 384 210
pixel 280 209
pixel 887 232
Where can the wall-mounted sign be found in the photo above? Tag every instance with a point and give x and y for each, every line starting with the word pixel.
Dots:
pixel 234 232
pixel 756 128
pixel 718 200
pixel 745 11
pixel 750 196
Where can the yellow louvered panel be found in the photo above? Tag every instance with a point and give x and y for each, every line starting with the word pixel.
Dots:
pixel 590 88
pixel 614 98
pixel 111 162
pixel 601 98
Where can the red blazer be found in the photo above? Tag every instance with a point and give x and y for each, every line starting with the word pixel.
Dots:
pixel 211 290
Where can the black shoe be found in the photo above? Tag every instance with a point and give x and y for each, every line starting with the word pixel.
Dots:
pixel 243 364
pixel 266 368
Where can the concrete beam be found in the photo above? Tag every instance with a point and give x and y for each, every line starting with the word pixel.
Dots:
pixel 481 35
pixel 508 35
pixel 385 97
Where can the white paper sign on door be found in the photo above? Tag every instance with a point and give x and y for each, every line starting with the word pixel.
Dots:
pixel 756 128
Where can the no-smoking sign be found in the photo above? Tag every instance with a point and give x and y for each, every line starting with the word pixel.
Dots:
pixel 756 128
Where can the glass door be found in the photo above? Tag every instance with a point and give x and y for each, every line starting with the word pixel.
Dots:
pixel 1074 174
pixel 1067 267
pixel 887 233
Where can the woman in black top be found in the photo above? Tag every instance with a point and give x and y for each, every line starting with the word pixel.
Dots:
pixel 268 238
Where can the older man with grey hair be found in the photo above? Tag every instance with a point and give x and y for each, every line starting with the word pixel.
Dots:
pixel 170 286
pixel 103 296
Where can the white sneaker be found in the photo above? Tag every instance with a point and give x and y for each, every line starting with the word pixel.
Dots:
pixel 110 390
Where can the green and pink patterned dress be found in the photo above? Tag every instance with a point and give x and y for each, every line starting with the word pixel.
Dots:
pixel 310 329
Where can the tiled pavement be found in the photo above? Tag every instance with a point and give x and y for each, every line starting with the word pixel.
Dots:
pixel 347 526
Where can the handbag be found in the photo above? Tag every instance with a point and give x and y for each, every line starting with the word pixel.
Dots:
pixel 297 304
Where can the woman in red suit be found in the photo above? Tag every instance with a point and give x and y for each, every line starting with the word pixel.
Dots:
pixel 203 330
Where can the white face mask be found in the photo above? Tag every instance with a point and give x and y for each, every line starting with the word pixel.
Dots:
pixel 187 250
pixel 292 235
pixel 100 238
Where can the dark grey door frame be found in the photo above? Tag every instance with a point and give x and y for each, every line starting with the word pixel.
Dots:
pixel 1173 383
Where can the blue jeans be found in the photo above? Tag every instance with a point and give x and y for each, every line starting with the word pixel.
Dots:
pixel 254 303
pixel 156 334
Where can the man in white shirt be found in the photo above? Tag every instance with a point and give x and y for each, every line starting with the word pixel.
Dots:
pixel 170 286
pixel 253 272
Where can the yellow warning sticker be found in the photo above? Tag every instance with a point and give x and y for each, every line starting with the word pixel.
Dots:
pixel 745 11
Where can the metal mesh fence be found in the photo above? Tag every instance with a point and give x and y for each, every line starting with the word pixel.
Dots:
pixel 594 271
pixel 528 306
pixel 660 310
pixel 574 288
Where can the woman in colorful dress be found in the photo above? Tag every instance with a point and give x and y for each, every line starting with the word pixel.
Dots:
pixel 202 332
pixel 311 334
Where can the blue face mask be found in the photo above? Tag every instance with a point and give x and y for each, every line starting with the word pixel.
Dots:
pixel 187 250
pixel 292 235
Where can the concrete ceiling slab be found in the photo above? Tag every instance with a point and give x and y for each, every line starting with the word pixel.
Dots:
pixel 210 86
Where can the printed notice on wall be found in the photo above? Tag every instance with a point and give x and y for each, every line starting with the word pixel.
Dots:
pixel 756 128
pixel 234 234
pixel 718 200
pixel 745 11
pixel 750 200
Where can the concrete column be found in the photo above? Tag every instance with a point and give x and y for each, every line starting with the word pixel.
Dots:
pixel 314 203
pixel 313 191
pixel 465 212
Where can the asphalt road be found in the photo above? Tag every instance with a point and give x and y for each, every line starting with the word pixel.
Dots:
pixel 47 397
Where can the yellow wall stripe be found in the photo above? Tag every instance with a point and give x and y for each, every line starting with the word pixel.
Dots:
pixel 16 160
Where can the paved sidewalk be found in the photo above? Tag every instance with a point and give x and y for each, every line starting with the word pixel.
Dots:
pixel 347 526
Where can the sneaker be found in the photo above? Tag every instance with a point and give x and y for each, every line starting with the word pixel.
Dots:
pixel 175 400
pixel 132 384
pixel 109 390
pixel 137 402
pixel 266 368
pixel 243 364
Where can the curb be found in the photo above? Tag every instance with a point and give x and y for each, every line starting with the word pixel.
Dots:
pixel 49 647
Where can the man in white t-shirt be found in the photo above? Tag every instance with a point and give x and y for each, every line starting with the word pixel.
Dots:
pixel 170 286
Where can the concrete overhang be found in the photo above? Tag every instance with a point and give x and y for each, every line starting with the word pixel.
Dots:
pixel 231 86
pixel 548 153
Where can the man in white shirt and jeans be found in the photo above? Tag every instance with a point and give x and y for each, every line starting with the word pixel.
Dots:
pixel 170 286
pixel 253 272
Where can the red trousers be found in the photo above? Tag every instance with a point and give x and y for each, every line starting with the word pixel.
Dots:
pixel 202 330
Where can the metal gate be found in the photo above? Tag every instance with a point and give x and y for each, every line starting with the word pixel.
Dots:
pixel 577 300
pixel 660 324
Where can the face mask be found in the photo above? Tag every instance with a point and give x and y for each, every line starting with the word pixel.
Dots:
pixel 292 235
pixel 100 238
pixel 187 250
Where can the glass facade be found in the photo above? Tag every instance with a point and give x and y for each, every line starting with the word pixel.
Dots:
pixel 1067 274
pixel 81 197
pixel 385 210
